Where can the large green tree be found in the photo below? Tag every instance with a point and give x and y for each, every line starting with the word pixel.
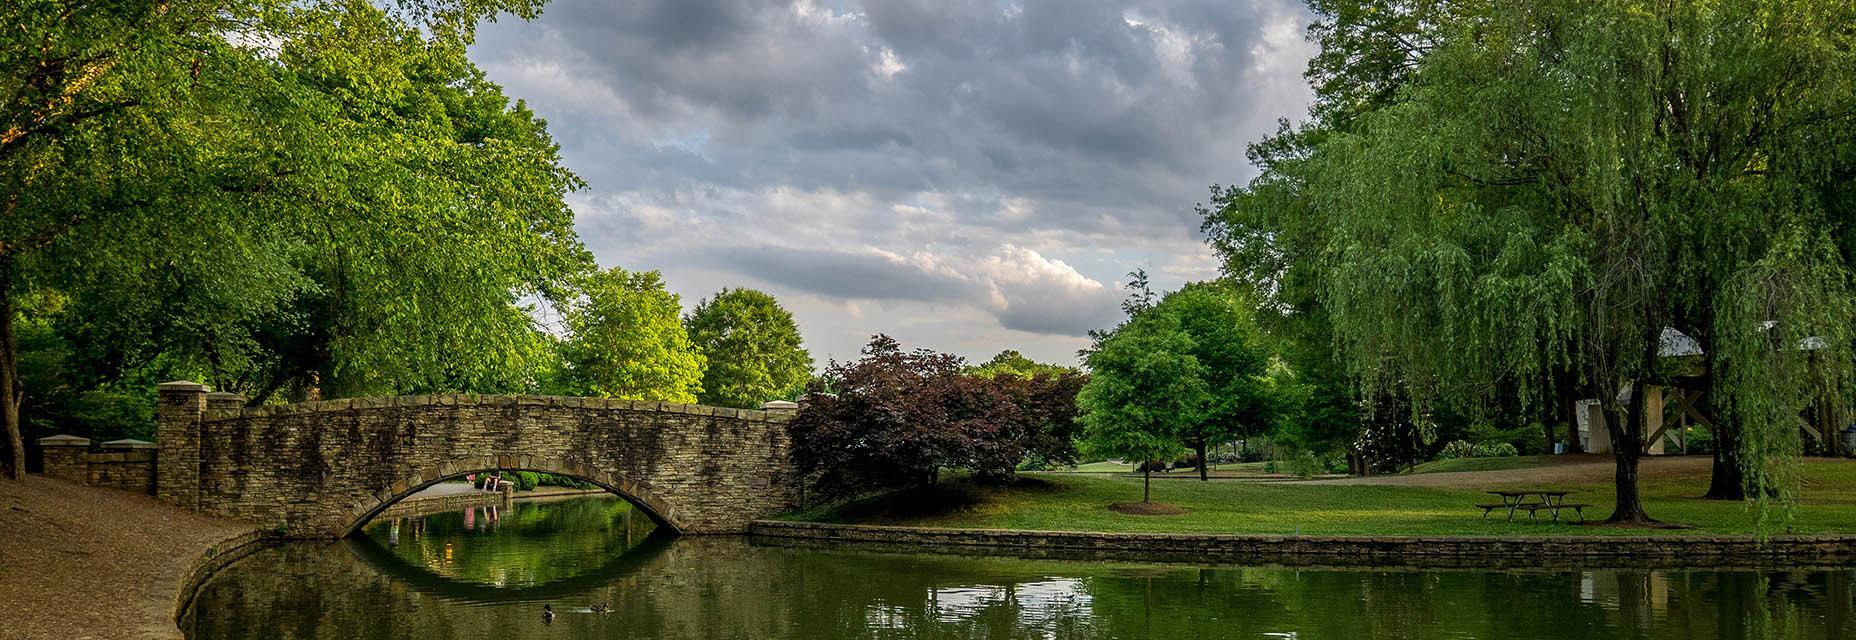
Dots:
pixel 1145 389
pixel 1543 188
pixel 625 340
pixel 1235 360
pixel 752 347
pixel 276 195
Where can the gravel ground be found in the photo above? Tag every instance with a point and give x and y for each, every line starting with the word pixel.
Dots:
pixel 81 562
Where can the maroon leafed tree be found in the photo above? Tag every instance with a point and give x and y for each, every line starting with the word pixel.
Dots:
pixel 895 418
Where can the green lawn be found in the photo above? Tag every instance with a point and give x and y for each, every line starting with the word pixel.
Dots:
pixel 1236 468
pixel 1102 467
pixel 1482 464
pixel 1072 502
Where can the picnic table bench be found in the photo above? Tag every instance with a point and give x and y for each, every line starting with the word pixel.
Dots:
pixel 1549 501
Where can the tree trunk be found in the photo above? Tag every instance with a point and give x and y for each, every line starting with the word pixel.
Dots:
pixel 1566 401
pixel 1728 481
pixel 12 391
pixel 1199 448
pixel 1627 448
pixel 1573 444
pixel 1147 483
pixel 1634 606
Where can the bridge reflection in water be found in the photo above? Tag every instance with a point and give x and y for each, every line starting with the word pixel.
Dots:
pixel 491 553
pixel 488 579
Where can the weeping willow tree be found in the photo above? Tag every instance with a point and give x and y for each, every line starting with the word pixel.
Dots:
pixel 1552 185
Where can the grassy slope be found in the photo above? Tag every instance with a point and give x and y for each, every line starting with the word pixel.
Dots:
pixel 1482 464
pixel 1078 503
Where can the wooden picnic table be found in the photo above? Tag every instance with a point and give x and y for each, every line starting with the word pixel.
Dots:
pixel 1551 501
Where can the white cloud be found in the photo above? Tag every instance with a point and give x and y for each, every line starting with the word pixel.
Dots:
pixel 1029 292
pixel 964 175
pixel 887 64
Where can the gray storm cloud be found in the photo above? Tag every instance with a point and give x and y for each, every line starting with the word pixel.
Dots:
pixel 907 152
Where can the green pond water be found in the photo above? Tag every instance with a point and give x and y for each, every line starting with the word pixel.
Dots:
pixel 486 573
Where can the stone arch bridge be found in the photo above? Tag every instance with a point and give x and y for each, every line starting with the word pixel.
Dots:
pixel 323 469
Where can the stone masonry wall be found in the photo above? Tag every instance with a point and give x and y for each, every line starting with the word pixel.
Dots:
pixel 127 469
pixel 1484 552
pixel 66 457
pixel 119 464
pixel 324 468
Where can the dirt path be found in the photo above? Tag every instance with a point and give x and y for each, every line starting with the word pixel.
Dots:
pixel 1573 470
pixel 81 562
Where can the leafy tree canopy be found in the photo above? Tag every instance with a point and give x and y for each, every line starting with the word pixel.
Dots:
pixel 752 347
pixel 297 197
pixel 1010 362
pixel 625 340
pixel 895 418
pixel 1531 188
pixel 1145 389
pixel 1193 370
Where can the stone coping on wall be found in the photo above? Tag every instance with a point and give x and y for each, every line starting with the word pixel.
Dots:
pixel 1586 551
pixel 466 399
pixel 215 557
pixel 127 443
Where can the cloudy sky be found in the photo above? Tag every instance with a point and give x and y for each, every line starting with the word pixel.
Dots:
pixel 964 175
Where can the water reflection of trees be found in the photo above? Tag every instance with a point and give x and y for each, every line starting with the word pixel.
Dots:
pixel 498 546
pixel 422 580
pixel 725 588
pixel 1162 601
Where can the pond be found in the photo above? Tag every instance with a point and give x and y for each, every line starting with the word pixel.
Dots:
pixel 486 573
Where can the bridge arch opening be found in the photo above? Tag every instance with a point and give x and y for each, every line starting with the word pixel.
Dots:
pixel 639 496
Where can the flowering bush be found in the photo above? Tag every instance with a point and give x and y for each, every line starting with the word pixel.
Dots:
pixel 1496 450
pixel 1457 449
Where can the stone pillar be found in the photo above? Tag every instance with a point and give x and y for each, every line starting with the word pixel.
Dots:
pixel 66 457
pixel 780 406
pixel 224 401
pixel 178 417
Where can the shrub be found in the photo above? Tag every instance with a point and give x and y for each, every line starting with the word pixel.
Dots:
pixel 1701 440
pixel 1496 450
pixel 1458 449
pixel 1306 464
pixel 1034 461
pixel 552 480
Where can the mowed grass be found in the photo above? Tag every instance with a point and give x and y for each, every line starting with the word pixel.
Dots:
pixel 1073 502
pixel 1101 467
pixel 1234 468
pixel 1482 464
